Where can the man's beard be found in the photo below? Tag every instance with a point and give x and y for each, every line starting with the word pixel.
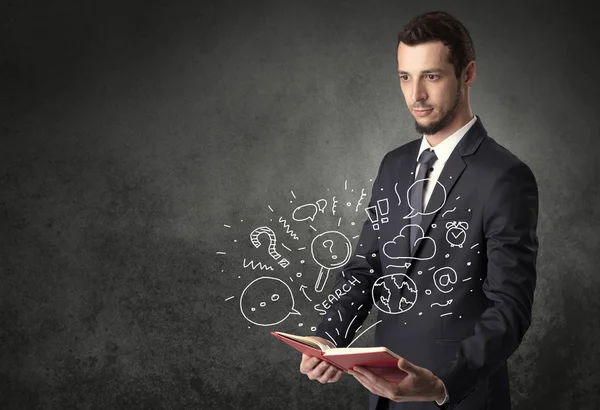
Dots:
pixel 436 126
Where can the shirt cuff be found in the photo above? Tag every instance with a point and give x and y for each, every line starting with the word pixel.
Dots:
pixel 445 398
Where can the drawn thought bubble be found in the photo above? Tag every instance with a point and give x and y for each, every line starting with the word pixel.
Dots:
pixel 267 301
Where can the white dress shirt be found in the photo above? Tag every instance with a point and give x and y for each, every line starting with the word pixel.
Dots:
pixel 442 152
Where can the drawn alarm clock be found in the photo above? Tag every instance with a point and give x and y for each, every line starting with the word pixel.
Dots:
pixel 456 234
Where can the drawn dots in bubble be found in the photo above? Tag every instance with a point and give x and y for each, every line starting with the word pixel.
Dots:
pixel 253 309
pixel 299 274
pixel 263 304
pixel 275 297
pixel 302 261
pixel 313 329
pixel 434 225
pixel 428 291
pixel 300 324
pixel 348 203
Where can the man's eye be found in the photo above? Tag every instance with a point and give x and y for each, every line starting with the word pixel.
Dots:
pixel 432 76
pixel 404 77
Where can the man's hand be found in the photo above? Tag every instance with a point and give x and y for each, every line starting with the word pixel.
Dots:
pixel 317 369
pixel 419 385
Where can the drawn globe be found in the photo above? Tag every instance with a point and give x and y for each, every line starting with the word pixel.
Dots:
pixel 394 294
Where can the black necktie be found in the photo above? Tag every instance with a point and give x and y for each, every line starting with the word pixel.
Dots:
pixel 426 158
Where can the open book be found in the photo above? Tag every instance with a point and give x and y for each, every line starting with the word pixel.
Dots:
pixel 379 360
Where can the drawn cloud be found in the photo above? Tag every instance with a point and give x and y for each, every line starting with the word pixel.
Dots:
pixel 393 250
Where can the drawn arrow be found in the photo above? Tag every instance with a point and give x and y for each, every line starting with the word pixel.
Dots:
pixel 302 287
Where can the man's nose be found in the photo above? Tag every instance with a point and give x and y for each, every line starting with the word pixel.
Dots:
pixel 418 91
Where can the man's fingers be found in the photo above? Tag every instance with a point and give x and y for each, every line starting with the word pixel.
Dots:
pixel 372 378
pixel 407 366
pixel 308 363
pixel 336 377
pixel 318 371
pixel 367 384
pixel 328 375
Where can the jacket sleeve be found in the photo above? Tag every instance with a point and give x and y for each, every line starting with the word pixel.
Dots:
pixel 510 223
pixel 352 299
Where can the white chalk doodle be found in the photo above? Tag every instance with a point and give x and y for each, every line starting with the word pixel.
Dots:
pixel 394 294
pixel 336 295
pixel 256 265
pixel 444 278
pixel 374 213
pixel 405 266
pixel 442 305
pixel 384 209
pixel 362 196
pixel 287 227
pixel 449 210
pixel 329 259
pixel 331 338
pixel 397 193
pixel 265 230
pixel 303 291
pixel 333 205
pixel 348 328
pixel 436 207
pixel 274 299
pixel 365 331
pixel 392 250
pixel 456 233
pixel 309 211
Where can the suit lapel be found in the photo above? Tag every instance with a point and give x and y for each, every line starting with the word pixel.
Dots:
pixel 406 177
pixel 452 171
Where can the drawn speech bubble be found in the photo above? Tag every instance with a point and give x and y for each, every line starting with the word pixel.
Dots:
pixel 267 301
pixel 417 184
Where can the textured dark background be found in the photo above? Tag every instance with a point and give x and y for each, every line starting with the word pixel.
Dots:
pixel 132 132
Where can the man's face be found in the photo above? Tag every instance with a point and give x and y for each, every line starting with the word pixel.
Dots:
pixel 428 83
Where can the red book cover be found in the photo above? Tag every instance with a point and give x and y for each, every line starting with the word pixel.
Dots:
pixel 379 360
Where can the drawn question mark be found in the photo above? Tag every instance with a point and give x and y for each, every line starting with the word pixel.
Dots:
pixel 272 242
pixel 330 246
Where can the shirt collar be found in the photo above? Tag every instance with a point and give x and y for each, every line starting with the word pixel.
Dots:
pixel 445 148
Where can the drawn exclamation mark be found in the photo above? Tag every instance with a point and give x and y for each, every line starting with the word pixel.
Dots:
pixel 373 216
pixel 384 209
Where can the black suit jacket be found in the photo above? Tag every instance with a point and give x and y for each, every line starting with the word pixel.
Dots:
pixel 461 303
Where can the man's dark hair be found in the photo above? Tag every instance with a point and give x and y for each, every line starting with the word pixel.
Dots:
pixel 440 26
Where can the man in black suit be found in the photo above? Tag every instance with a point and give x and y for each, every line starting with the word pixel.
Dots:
pixel 451 268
